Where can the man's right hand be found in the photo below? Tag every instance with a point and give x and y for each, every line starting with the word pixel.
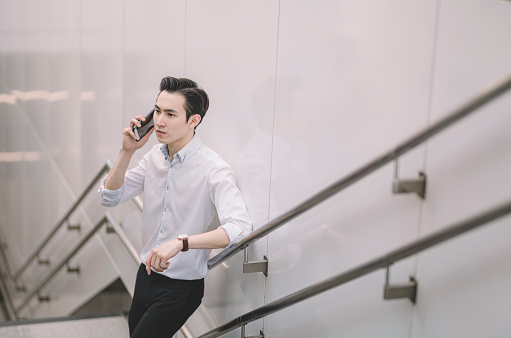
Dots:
pixel 115 178
pixel 129 140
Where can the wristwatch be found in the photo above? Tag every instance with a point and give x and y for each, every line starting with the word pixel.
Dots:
pixel 184 239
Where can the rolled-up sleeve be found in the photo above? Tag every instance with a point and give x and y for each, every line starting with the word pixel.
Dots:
pixel 133 186
pixel 110 198
pixel 230 204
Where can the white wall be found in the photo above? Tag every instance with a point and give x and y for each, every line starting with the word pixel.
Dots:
pixel 302 93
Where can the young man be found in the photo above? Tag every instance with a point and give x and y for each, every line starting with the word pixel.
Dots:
pixel 191 205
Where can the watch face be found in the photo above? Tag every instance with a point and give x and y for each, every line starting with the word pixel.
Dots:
pixel 182 236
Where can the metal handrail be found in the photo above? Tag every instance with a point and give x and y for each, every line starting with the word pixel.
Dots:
pixel 106 219
pixel 185 331
pixel 106 168
pixel 124 239
pixel 365 170
pixel 381 262
pixel 61 222
pixel 11 314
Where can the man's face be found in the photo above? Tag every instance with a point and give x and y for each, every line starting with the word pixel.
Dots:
pixel 170 122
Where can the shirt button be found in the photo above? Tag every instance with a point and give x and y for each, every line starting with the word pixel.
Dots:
pixel 165 209
pixel 167 187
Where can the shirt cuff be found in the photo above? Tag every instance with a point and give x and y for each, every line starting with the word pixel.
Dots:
pixel 234 233
pixel 110 198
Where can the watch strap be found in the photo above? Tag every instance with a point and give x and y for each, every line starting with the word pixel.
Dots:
pixel 183 238
pixel 185 244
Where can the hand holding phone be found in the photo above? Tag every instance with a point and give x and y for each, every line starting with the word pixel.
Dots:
pixel 145 127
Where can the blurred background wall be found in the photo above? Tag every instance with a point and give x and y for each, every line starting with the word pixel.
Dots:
pixel 302 93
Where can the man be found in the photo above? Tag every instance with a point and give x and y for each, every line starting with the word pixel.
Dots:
pixel 191 205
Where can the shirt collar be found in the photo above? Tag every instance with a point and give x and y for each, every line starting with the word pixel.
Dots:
pixel 186 152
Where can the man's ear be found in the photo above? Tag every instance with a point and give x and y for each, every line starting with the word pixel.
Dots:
pixel 194 120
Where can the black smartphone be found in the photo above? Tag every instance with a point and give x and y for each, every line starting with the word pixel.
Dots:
pixel 146 127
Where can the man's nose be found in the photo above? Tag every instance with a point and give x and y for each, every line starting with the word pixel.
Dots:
pixel 158 121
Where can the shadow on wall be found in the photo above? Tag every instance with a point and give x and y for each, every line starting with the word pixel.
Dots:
pixel 253 168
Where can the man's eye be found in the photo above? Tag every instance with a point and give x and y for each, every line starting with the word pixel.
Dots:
pixel 170 114
pixel 156 111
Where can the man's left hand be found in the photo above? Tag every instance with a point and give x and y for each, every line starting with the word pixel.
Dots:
pixel 159 256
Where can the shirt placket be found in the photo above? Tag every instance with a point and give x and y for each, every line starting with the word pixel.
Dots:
pixel 165 212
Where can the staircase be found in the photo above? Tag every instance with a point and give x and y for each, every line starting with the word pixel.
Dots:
pixel 82 254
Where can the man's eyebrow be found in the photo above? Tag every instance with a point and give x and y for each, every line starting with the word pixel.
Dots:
pixel 165 110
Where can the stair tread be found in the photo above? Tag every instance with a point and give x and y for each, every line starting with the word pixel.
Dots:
pixel 82 328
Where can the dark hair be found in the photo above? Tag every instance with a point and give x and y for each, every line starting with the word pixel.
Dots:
pixel 196 99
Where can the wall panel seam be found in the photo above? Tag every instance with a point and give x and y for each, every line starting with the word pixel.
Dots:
pixel 272 141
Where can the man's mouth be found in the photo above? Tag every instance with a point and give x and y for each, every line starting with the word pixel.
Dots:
pixel 160 132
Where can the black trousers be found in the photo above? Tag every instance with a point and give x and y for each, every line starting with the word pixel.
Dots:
pixel 161 305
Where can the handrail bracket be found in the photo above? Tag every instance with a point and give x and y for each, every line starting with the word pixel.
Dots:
pixel 395 291
pixel 110 228
pixel 73 269
pixel 255 266
pixel 20 288
pixel 43 261
pixel 261 334
pixel 70 226
pixel 43 298
pixel 417 186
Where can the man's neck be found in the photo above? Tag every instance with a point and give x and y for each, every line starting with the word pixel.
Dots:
pixel 176 147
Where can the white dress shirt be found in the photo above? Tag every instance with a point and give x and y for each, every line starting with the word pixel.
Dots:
pixel 192 193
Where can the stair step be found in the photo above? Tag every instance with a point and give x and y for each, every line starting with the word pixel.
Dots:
pixel 111 327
